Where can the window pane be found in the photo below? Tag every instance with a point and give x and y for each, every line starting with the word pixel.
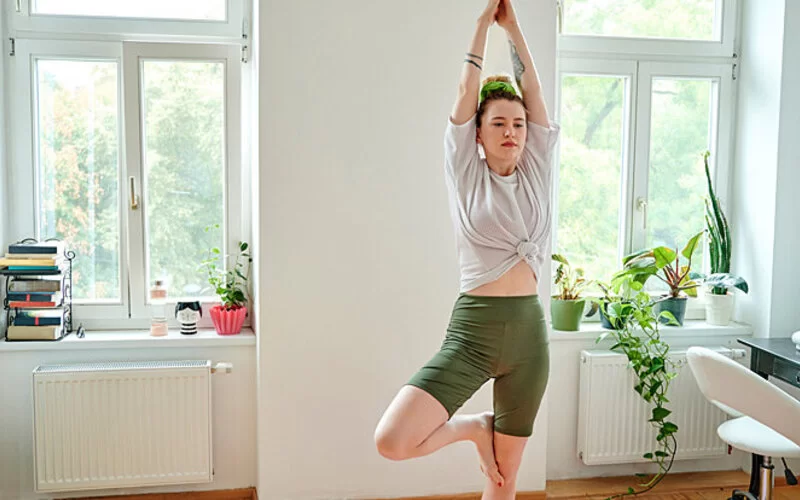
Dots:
pixel 206 10
pixel 681 19
pixel 680 132
pixel 78 169
pixel 589 177
pixel 184 165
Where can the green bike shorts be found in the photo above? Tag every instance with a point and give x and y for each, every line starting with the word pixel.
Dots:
pixel 504 338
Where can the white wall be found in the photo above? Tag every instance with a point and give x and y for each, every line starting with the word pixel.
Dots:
pixel 233 417
pixel 786 273
pixel 358 264
pixel 762 185
pixel 767 171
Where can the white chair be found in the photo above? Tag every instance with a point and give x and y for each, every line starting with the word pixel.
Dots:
pixel 770 421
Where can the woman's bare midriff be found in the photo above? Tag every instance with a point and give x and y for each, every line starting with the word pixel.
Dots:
pixel 519 280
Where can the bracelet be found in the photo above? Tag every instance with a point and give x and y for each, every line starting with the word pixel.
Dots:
pixel 475 56
pixel 474 63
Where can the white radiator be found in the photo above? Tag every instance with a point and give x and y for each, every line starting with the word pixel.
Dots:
pixel 612 417
pixel 118 425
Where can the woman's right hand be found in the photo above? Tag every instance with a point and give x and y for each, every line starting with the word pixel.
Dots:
pixel 490 14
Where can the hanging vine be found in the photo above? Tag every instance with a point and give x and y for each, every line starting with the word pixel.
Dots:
pixel 638 337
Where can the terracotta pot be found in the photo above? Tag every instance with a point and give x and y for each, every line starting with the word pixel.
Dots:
pixel 228 321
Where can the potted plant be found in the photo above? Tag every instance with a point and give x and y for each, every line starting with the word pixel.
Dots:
pixel 719 303
pixel 610 294
pixel 636 334
pixel 230 285
pixel 664 263
pixel 566 307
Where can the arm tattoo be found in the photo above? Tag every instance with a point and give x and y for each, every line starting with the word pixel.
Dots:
pixel 475 56
pixel 473 63
pixel 519 68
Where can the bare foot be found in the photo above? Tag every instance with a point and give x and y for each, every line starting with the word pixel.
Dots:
pixel 484 442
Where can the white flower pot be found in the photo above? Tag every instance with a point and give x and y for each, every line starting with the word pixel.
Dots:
pixel 719 309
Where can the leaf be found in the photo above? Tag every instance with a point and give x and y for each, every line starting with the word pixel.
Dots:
pixel 648 456
pixel 664 256
pixel 633 256
pixel 669 427
pixel 631 491
pixel 660 413
pixel 661 454
pixel 691 246
pixel 560 258
pixel 726 280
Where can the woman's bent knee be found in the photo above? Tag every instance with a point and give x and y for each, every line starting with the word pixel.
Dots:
pixel 390 445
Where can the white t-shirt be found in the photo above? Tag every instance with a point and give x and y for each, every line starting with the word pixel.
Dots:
pixel 499 220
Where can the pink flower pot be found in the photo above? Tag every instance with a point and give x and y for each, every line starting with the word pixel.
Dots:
pixel 228 321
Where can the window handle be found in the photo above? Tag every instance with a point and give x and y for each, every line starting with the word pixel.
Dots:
pixel 134 196
pixel 641 205
pixel 560 15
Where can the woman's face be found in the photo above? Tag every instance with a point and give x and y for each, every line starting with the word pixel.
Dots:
pixel 503 130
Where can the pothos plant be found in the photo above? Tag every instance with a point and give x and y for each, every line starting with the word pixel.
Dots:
pixel 637 335
pixel 229 283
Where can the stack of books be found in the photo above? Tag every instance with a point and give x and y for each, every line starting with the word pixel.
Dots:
pixel 33 258
pixel 35 292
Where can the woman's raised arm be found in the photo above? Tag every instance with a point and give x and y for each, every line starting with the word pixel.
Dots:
pixel 524 69
pixel 466 104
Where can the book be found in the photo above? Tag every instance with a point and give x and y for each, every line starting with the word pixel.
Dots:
pixel 21 304
pixel 33 256
pixel 6 261
pixel 33 268
pixel 39 317
pixel 16 332
pixel 43 247
pixel 34 285
pixel 35 297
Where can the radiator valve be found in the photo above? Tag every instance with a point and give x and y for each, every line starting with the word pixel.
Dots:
pixel 228 367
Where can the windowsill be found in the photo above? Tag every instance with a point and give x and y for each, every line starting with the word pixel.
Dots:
pixel 135 339
pixel 690 328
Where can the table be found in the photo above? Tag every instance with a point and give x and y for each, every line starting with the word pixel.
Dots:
pixel 771 358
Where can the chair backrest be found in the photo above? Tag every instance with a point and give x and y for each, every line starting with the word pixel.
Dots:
pixel 726 382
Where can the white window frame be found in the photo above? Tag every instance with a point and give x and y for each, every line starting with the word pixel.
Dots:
pixel 721 123
pixel 131 311
pixel 23 170
pixel 26 22
pixel 722 46
pixel 134 54
pixel 640 60
pixel 609 68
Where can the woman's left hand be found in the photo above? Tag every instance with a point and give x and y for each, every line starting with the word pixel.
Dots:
pixel 506 17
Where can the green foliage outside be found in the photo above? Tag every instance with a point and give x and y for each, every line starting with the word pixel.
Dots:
pixel 591 181
pixel 80 175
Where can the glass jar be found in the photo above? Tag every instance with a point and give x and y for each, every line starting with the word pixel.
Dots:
pixel 158 310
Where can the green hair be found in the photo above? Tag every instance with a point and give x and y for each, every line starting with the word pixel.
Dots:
pixel 495 86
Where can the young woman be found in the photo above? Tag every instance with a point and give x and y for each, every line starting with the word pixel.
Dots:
pixel 501 211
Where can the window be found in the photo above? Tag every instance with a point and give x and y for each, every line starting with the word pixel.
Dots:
pixel 200 19
pixel 636 118
pixel 676 19
pixel 128 151
pixel 207 10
